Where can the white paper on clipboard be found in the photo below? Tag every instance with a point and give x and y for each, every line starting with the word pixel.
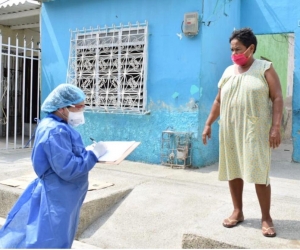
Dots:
pixel 115 150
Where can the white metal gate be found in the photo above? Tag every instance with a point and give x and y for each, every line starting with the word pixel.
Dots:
pixel 19 93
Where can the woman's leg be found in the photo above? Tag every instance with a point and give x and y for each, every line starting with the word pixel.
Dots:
pixel 264 197
pixel 236 190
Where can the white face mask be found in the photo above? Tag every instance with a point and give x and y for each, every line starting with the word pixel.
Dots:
pixel 76 118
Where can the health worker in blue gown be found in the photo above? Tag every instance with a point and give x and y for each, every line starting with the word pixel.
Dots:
pixel 47 213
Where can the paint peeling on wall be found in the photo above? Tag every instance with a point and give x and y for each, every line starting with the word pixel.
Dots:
pixel 194 89
pixel 175 95
pixel 179 35
pixel 190 106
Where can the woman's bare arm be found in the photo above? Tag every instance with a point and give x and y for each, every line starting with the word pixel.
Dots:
pixel 276 97
pixel 214 114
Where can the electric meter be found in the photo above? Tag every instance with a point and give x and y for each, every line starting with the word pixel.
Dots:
pixel 190 24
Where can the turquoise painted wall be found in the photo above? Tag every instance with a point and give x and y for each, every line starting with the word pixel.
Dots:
pixel 272 17
pixel 189 66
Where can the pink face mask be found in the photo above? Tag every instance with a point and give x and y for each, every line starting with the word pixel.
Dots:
pixel 240 59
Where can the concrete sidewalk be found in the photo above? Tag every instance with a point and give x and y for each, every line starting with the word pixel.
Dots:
pixel 153 206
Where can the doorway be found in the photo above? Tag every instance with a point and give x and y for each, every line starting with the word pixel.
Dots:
pixel 19 94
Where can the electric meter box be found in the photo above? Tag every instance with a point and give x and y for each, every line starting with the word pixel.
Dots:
pixel 190 24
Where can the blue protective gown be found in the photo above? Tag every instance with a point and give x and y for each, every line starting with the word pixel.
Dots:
pixel 47 213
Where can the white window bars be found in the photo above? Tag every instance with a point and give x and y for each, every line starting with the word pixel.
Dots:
pixel 110 65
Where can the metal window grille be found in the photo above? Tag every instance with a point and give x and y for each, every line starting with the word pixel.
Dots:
pixel 110 65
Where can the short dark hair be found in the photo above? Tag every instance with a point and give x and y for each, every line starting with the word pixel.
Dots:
pixel 245 36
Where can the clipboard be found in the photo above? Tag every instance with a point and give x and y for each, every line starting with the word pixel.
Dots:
pixel 127 152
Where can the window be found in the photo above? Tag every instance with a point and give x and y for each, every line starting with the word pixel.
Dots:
pixel 110 66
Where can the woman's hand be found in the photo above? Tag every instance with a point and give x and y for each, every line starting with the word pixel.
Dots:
pixel 274 137
pixel 206 133
pixel 214 114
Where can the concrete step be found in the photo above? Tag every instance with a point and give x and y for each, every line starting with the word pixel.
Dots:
pixel 81 245
pixel 95 207
pixel 97 201
pixel 193 241
pixel 96 204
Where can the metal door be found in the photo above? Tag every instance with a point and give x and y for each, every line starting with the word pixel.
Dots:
pixel 19 93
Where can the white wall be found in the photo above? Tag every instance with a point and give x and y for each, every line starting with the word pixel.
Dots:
pixel 29 34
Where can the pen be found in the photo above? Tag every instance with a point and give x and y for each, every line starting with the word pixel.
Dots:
pixel 93 140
